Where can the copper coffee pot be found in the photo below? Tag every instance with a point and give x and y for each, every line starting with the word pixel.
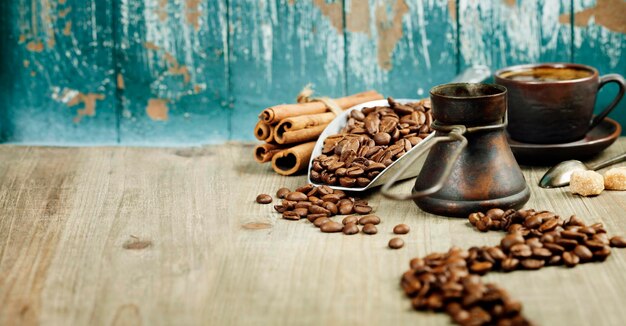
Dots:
pixel 470 166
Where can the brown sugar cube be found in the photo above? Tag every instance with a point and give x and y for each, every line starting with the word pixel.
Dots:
pixel 586 183
pixel 615 178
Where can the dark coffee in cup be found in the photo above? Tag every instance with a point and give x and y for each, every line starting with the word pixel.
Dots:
pixel 546 74
pixel 553 103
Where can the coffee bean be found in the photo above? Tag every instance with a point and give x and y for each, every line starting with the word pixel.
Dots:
pixel 315 201
pixel 370 229
pixel 583 253
pixel 481 267
pixel 601 254
pixel 288 204
pixel 369 219
pixel 314 209
pixel 313 217
pixel 533 221
pixel 475 217
pixel 396 243
pixel 302 212
pixel 401 229
pixel 521 250
pixel 296 196
pixel 362 209
pixel 534 243
pixel 510 264
pixel 331 226
pixel 555 260
pixel 573 235
pixel 549 225
pixel 567 243
pixel 496 253
pixel 282 192
pixel 305 189
pixel 554 248
pixel 483 225
pixel 350 228
pixel 303 204
pixel 291 215
pixel 602 237
pixel 510 240
pixel 331 207
pixel 541 253
pixel 575 221
pixel 347 182
pixel 350 219
pixel 263 199
pixel 570 259
pixel 321 221
pixel 280 208
pixel 346 208
pixel 532 264
pixel 618 242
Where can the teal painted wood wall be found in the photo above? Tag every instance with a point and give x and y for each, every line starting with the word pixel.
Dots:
pixel 181 72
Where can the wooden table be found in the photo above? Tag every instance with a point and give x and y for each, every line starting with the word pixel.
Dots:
pixel 93 236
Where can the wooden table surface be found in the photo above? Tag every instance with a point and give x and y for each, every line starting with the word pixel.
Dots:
pixel 129 236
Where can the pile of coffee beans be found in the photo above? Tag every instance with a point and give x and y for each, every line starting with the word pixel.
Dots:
pixel 451 282
pixel 319 204
pixel 371 140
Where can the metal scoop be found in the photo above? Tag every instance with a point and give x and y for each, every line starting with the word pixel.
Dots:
pixel 560 174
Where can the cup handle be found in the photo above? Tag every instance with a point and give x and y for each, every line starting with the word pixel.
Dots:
pixel 610 78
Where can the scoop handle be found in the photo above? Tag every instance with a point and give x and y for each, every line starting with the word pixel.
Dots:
pixel 615 160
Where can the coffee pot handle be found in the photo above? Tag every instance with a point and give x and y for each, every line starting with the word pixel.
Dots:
pixel 610 78
pixel 455 134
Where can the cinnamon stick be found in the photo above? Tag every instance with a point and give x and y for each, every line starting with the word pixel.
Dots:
pixel 277 113
pixel 264 131
pixel 264 152
pixel 300 136
pixel 293 160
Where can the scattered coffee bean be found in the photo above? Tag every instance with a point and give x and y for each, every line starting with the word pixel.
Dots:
pixel 321 221
pixel 618 242
pixel 350 219
pixel 313 217
pixel 362 209
pixel 331 226
pixel 369 219
pixel 350 228
pixel 282 192
pixel 263 199
pixel 370 229
pixel 401 229
pixel 450 281
pixel 296 196
pixel 396 243
pixel 291 215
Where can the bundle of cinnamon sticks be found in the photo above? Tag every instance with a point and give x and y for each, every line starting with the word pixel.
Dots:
pixel 289 131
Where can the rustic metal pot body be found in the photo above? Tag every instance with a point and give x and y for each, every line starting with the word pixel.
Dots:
pixel 485 174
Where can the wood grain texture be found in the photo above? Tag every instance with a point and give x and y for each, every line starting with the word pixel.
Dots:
pixel 600 41
pixel 173 236
pixel 401 48
pixel 277 48
pixel 57 77
pixel 173 65
pixel 504 33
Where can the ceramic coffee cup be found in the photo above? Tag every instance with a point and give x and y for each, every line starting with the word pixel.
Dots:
pixel 553 103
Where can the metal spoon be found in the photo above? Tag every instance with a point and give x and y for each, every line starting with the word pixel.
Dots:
pixel 559 175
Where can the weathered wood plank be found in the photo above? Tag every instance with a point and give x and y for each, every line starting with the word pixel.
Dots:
pixel 173 236
pixel 600 41
pixel 276 48
pixel 58 81
pixel 504 33
pixel 173 68
pixel 400 47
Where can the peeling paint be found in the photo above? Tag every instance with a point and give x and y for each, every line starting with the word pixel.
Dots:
pixel 389 31
pixel 120 81
pixel 67 30
pixel 157 109
pixel 193 13
pixel 332 10
pixel 358 17
pixel 610 14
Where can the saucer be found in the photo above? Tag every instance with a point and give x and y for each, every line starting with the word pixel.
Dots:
pixel 596 140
